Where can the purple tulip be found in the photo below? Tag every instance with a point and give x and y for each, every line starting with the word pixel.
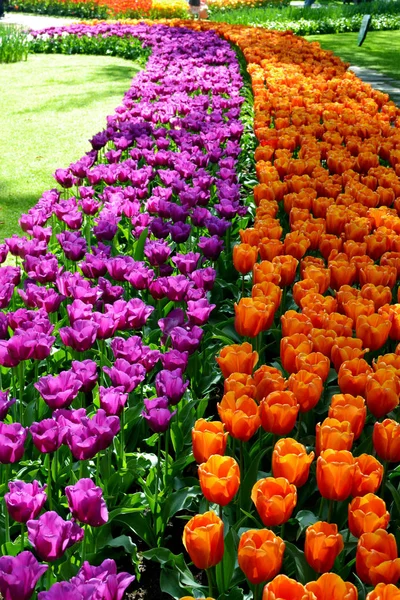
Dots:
pixel 149 358
pixel 19 575
pixel 171 385
pixel 109 293
pixel 79 310
pixel 64 177
pixel 184 340
pixel 5 404
pixel 24 501
pixel 111 586
pixel 112 399
pixel 174 319
pixel 46 435
pixel 50 535
pixel 174 359
pixel 68 591
pixel 35 296
pixel 130 349
pixel 204 278
pixel 119 266
pixel 211 247
pixel 6 292
pixel 12 440
pixel 124 374
pixel 6 360
pixel 177 287
pixel 157 252
pixel 186 263
pixel 86 503
pixel 180 232
pixel 73 244
pixel 105 230
pixel 157 414
pixel 84 291
pixel 59 391
pixel 3 326
pixel 81 336
pixel 43 269
pixel 86 372
pixel 199 311
pixel 90 436
pixel 140 277
pixel 93 266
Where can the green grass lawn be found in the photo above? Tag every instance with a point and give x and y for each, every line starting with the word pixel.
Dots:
pixel 380 51
pixel 50 106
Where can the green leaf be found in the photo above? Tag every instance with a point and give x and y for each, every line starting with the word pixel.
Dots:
pixel 303 570
pixel 139 246
pixel 139 523
pixel 125 542
pixel 224 569
pixel 249 480
pixel 180 500
pixel 395 494
pixel 305 518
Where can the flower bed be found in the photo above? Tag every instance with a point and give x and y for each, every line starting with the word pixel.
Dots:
pixel 309 361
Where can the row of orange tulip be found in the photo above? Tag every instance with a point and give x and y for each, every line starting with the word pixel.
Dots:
pixel 322 134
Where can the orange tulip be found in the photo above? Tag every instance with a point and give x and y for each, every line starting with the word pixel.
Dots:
pixel 240 383
pixel 368 475
pixel 307 388
pixel 352 376
pixel 296 245
pixel 294 322
pixel 266 271
pixel 332 587
pixel 208 438
pixel 382 392
pixel 292 346
pixel 203 538
pixel 335 474
pixel 329 242
pixel 287 267
pixel 323 544
pixel 269 249
pixel 267 380
pixel 238 358
pixel 284 588
pixel 219 479
pixel 390 362
pixel 274 500
pixel 386 440
pixel 380 295
pixel 333 434
pixel 376 558
pixel 302 288
pixel 384 591
pixel 367 514
pixel 358 306
pixel 315 363
pixel 260 554
pixel 342 325
pixel 250 236
pixel 345 407
pixel 252 316
pixel 278 412
pixel 322 340
pixel 377 275
pixel 346 349
pixel 244 257
pixel 269 290
pixel 290 460
pixel 342 273
pixel 241 416
pixel 373 330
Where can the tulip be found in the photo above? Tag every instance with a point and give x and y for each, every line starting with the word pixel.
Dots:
pixel 332 587
pixel 268 290
pixel 19 575
pixel 291 347
pixel 241 416
pixel 386 440
pixel 203 538
pixel 171 384
pixel 278 412
pixel 252 317
pixel 208 438
pixel 307 388
pixel 384 591
pixel 244 258
pixel 268 379
pixel 382 391
pixel 335 474
pixel 367 514
pixel 287 266
pixel 105 578
pixel 12 440
pixel 24 501
pixel 241 384
pixel 333 434
pixel 368 475
pixel 284 588
pixel 260 554
pixel 50 535
pixel 58 391
pixel 219 479
pixel 238 358
pixel 376 558
pixel 323 545
pixel 373 330
pixel 315 363
pixel 86 503
pixel 5 404
pixel 294 322
pixel 274 500
pixel 112 399
pixel 352 376
pixel 345 407
pixel 290 460
pixel 158 414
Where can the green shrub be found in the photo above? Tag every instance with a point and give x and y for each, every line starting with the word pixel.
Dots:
pixel 13 43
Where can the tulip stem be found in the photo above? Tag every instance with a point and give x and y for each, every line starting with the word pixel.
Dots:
pixel 158 473
pixel 283 531
pixel 321 508
pixel 49 494
pixel 166 457
pixel 22 537
pixel 21 391
pixel 122 439
pixel 242 286
pixel 210 584
pixel 85 527
pixel 6 470
pixel 49 575
pixel 330 511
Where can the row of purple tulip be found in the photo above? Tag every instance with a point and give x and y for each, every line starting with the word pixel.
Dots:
pixel 111 290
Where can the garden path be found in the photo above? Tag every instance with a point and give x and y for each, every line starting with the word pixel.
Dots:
pixel 374 78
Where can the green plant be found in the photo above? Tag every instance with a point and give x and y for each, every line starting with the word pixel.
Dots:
pixel 13 44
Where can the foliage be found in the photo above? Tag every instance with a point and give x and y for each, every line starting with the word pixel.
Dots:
pixel 13 44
